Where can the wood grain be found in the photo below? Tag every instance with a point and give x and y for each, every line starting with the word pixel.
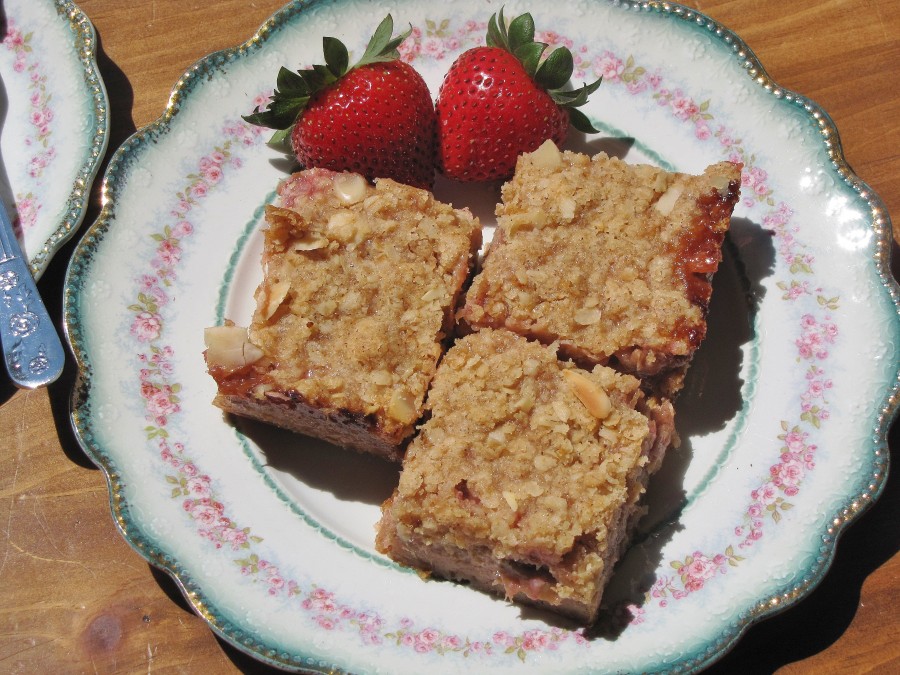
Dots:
pixel 75 598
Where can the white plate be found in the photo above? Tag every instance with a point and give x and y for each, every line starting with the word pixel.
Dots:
pixel 54 122
pixel 784 417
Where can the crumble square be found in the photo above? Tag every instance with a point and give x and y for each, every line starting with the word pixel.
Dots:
pixel 526 477
pixel 354 311
pixel 611 260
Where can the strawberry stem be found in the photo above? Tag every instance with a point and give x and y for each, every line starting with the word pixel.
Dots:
pixel 552 73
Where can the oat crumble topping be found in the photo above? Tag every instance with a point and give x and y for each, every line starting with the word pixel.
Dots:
pixel 358 292
pixel 613 260
pixel 524 460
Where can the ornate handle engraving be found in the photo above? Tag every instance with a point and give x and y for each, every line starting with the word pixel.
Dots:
pixel 32 350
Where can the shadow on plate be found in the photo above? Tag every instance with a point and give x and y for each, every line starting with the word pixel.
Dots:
pixel 711 399
pixel 613 146
pixel 349 476
pixel 482 198
pixel 798 633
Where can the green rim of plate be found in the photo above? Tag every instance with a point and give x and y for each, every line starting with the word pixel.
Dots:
pixel 255 645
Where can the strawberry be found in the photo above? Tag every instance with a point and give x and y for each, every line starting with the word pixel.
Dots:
pixel 506 98
pixel 375 117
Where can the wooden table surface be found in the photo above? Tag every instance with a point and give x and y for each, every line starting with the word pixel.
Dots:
pixel 75 598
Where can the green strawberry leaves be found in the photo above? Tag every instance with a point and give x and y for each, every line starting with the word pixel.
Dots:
pixel 520 32
pixel 291 94
pixel 555 71
pixel 337 58
pixel 293 90
pixel 552 73
pixel 382 47
pixel 581 121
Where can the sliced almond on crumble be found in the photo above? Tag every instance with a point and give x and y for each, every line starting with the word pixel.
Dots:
pixel 530 220
pixel 350 187
pixel 666 202
pixel 382 378
pixel 309 242
pixel 546 156
pixel 510 498
pixel 402 407
pixel 229 347
pixel 720 183
pixel 587 316
pixel 589 393
pixel 274 296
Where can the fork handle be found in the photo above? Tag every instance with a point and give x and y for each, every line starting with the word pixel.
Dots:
pixel 32 349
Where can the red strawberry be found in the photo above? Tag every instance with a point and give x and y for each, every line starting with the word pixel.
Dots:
pixel 375 117
pixel 499 101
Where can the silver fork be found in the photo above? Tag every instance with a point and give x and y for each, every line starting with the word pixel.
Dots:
pixel 32 350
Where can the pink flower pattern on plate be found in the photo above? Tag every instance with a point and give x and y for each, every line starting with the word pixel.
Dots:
pixel 693 572
pixel 817 333
pixel 26 64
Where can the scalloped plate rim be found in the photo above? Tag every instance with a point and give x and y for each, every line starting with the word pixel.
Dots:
pixel 238 638
pixel 85 42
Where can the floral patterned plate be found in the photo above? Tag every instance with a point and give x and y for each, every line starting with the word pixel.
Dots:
pixel 270 535
pixel 54 116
